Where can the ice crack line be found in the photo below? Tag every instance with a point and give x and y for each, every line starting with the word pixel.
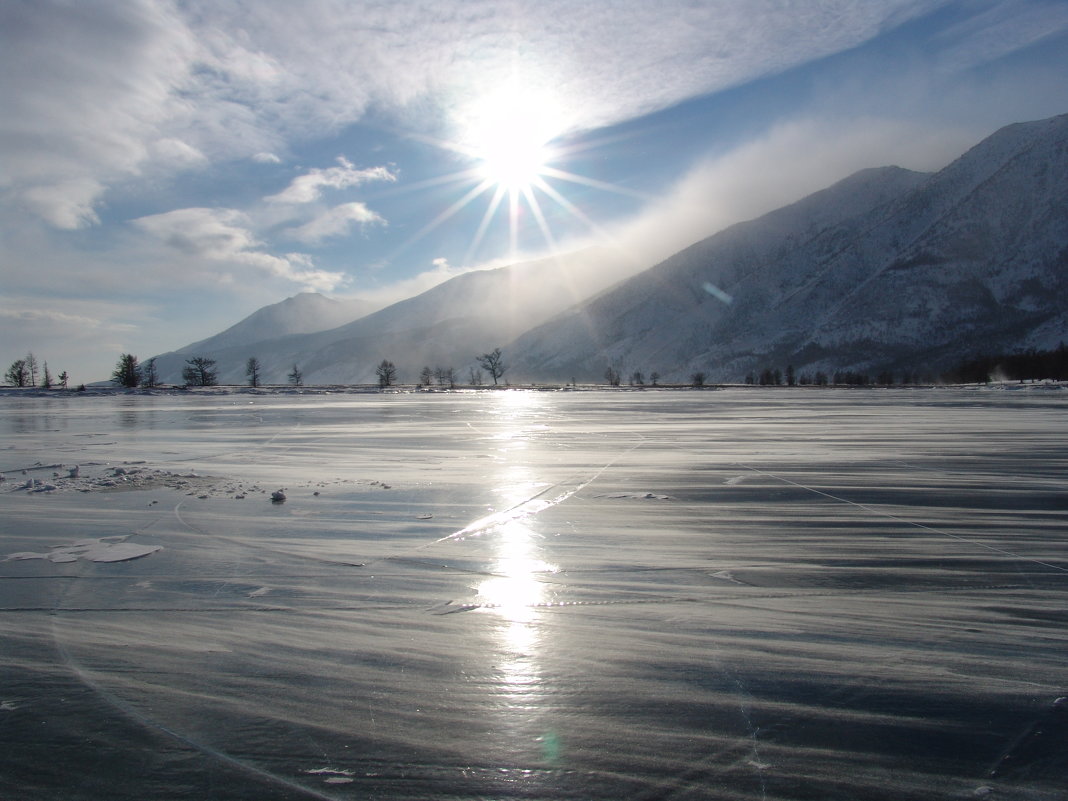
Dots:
pixel 932 529
pixel 529 506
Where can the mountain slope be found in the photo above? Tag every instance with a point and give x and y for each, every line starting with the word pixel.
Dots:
pixel 885 270
pixel 448 325
pixel 301 314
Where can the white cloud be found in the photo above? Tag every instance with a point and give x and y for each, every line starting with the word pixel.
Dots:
pixel 66 203
pixel 334 222
pixel 92 92
pixel 1001 29
pixel 223 235
pixel 308 187
pixel 86 89
pixel 176 152
pixel 38 321
pixel 97 93
pixel 266 158
pixel 607 64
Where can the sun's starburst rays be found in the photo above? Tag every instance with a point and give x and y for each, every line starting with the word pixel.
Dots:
pixel 480 232
pixel 511 139
pixel 576 212
pixel 450 211
pixel 539 216
pixel 593 183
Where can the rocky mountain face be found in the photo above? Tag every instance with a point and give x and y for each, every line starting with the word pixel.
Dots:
pixel 886 270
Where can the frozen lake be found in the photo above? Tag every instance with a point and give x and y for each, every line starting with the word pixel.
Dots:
pixel 737 594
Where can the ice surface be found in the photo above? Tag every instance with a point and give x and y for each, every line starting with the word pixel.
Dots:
pixel 737 594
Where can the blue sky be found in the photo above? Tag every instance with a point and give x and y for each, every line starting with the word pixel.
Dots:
pixel 166 168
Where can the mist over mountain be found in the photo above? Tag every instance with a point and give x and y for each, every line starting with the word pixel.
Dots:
pixel 305 313
pixel 448 326
pixel 887 270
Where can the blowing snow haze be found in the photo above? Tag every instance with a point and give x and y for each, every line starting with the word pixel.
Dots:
pixel 172 167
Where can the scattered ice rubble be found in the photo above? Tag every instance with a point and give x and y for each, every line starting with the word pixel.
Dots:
pixel 99 476
pixel 104 549
pixel 333 775
pixel 136 475
pixel 133 475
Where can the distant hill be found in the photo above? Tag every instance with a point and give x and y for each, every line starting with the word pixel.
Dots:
pixel 305 313
pixel 886 270
pixel 448 325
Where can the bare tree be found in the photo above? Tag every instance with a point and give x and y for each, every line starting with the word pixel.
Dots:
pixel 611 375
pixel 386 372
pixel 64 379
pixel 17 374
pixel 200 372
pixel 426 376
pixel 654 377
pixel 697 379
pixel 127 373
pixel 492 364
pixel 445 376
pixel 637 379
pixel 149 374
pixel 252 370
pixel 31 368
pixel 296 377
pixel 474 377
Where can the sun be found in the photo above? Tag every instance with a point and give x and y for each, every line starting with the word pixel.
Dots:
pixel 514 140
pixel 508 134
pixel 512 160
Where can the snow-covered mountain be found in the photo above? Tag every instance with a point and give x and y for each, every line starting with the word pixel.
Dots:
pixel 886 270
pixel 305 313
pixel 447 326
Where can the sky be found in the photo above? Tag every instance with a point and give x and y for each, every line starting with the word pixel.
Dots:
pixel 169 167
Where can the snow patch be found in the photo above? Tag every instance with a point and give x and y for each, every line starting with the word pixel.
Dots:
pixel 105 549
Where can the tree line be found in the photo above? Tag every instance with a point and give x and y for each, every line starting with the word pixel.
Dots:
pixel 25 372
pixel 1027 365
pixel 201 371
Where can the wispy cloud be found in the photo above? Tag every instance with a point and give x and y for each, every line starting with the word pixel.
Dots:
pixel 94 93
pixel 86 89
pixel 308 187
pixel 334 222
pixel 223 235
pixel 70 333
pixel 1001 29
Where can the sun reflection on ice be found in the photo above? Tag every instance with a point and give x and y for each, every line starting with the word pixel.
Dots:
pixel 520 585
pixel 516 591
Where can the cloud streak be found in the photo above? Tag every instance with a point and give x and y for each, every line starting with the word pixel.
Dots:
pixel 309 186
pixel 96 93
pixel 223 236
pixel 334 222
